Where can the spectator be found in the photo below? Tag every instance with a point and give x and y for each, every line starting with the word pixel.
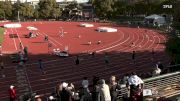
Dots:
pixel 114 88
pixel 85 83
pixel 41 67
pixel 95 93
pixel 125 78
pixel 38 98
pixel 70 87
pixel 160 65
pixel 104 91
pixel 77 60
pixel 153 53
pixel 95 80
pixel 156 71
pixel 12 93
pixel 65 94
pixel 133 56
pixel 135 86
pixel 58 90
pixel 2 68
pixel 106 59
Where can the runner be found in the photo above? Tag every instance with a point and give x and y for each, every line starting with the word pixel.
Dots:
pixel 46 38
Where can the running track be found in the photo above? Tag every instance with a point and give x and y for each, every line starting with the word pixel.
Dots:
pixel 118 46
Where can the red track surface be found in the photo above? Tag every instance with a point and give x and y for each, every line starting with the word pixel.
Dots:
pixel 63 69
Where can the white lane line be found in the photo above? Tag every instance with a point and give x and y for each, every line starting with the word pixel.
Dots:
pixel 13 39
pixel 113 45
pixel 99 48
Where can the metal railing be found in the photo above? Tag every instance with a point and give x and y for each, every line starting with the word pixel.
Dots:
pixel 158 82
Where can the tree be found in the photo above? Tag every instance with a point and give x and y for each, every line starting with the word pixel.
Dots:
pixel 25 10
pixel 5 9
pixel 103 8
pixel 49 9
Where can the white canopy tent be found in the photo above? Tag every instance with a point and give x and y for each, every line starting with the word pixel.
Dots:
pixel 155 19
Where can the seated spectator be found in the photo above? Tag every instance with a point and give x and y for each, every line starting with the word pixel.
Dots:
pixel 114 88
pixel 104 91
pixel 135 86
pixel 156 71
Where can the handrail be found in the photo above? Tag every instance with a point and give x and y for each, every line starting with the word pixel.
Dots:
pixel 160 76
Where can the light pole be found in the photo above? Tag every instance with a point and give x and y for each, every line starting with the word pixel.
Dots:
pixel 18 17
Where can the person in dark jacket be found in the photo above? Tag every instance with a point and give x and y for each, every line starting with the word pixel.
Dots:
pixel 77 60
pixel 65 95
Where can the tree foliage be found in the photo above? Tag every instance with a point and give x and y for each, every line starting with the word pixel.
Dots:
pixel 49 9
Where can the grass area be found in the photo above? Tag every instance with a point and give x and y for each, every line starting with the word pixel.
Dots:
pixel 1 35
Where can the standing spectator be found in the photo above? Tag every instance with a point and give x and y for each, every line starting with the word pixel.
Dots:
pixel 104 91
pixel 65 94
pixel 135 86
pixel 85 83
pixel 95 93
pixel 114 88
pixel 0 49
pixel 41 67
pixel 12 93
pixel 125 78
pixel 133 56
pixel 38 98
pixel 25 53
pixel 106 59
pixel 58 90
pixel 77 60
pixel 153 53
pixel 2 68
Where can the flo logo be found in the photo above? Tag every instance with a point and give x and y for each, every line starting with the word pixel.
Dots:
pixel 167 6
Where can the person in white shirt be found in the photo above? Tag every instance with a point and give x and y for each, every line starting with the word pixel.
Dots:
pixel 104 91
pixel 135 86
pixel 156 71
